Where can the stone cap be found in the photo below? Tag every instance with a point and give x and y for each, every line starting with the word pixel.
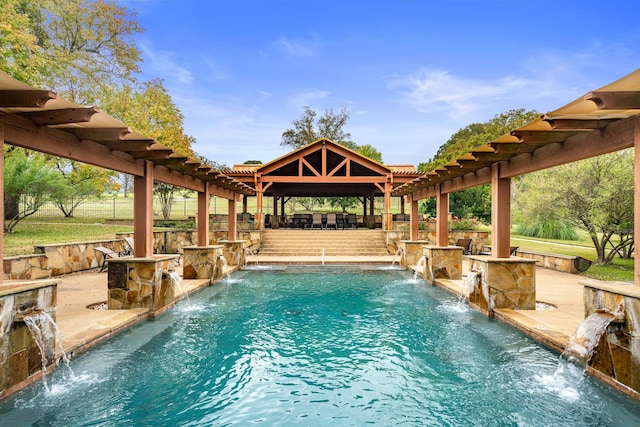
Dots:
pixel 622 288
pixel 12 287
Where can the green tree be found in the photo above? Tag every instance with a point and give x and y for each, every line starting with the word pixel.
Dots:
pixel 82 182
pixel 473 202
pixel 148 108
pixel 595 195
pixel 29 180
pixel 307 129
pixel 370 152
pixel 78 48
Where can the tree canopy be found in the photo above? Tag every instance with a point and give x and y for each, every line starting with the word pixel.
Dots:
pixel 473 202
pixel 595 195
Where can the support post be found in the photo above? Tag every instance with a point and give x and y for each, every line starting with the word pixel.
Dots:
pixel 442 217
pixel 500 214
pixel 203 216
pixel 387 205
pixel 232 220
pixel 414 217
pixel 143 212
pixel 258 218
pixel 636 202
pixel 2 197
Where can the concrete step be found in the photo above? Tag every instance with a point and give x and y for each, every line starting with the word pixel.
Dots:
pixel 310 242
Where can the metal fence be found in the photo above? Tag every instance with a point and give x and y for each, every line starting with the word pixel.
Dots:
pixel 122 208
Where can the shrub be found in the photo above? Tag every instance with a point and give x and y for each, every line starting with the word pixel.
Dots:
pixel 552 229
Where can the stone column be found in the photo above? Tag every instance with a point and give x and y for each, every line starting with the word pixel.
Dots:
pixel 200 262
pixel 617 355
pixel 504 283
pixel 137 283
pixel 21 357
pixel 233 252
pixel 411 252
pixel 443 262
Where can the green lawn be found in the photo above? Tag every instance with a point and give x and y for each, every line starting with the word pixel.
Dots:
pixel 28 234
pixel 620 269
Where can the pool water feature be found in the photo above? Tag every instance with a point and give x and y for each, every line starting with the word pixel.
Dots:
pixel 320 346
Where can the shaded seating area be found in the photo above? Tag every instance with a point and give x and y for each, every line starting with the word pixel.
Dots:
pixel 317 220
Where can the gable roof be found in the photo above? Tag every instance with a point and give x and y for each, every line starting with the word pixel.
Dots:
pixel 322 168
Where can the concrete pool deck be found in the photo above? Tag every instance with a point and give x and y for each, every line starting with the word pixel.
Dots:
pixel 82 327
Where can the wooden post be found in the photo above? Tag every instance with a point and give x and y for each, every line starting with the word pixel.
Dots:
pixel 636 202
pixel 500 214
pixel 143 212
pixel 414 217
pixel 2 197
pixel 232 220
pixel 442 217
pixel 203 216
pixel 387 205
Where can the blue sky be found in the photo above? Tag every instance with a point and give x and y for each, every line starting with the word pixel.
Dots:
pixel 410 72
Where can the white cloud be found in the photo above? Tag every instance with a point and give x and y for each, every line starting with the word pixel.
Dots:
pixel 297 47
pixel 164 63
pixel 308 97
pixel 430 91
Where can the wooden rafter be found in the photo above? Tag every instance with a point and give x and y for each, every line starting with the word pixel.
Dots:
pixel 615 100
pixel 61 116
pixel 11 98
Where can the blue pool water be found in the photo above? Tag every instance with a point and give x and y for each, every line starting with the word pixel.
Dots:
pixel 319 347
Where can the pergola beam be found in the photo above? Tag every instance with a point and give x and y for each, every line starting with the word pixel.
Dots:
pixel 61 116
pixel 11 98
pixel 615 100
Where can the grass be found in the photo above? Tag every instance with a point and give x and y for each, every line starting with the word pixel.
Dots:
pixel 28 234
pixel 619 269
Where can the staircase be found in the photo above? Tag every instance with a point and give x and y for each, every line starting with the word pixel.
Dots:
pixel 305 243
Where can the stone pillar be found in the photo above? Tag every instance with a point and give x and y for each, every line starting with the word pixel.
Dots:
pixel 617 355
pixel 200 262
pixel 137 283
pixel 20 356
pixel 411 252
pixel 504 283
pixel 233 252
pixel 443 262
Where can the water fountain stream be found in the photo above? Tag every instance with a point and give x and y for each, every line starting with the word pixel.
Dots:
pixel 398 253
pixel 584 340
pixel 421 263
pixel 47 336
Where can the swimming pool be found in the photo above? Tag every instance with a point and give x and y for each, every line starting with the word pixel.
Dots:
pixel 319 346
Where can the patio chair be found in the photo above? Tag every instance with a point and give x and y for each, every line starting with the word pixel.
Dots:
pixel 331 221
pixel 129 249
pixel 466 246
pixel 351 221
pixel 106 255
pixel 317 220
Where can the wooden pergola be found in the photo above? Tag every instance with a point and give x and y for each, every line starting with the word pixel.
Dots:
pixel 39 120
pixel 603 121
pixel 324 168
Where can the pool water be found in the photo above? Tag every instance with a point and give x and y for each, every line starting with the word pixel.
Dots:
pixel 320 346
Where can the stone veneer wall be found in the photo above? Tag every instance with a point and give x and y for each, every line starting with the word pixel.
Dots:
pixel 64 258
pixel 140 283
pixel 203 262
pixel 411 252
pixel 443 262
pixel 478 238
pixel 556 262
pixel 20 356
pixel 617 355
pixel 504 283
